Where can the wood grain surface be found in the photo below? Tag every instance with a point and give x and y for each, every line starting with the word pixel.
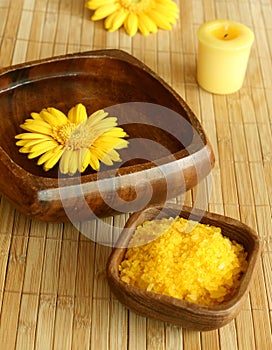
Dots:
pixel 53 288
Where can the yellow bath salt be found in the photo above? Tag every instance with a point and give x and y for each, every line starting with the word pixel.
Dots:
pixel 199 265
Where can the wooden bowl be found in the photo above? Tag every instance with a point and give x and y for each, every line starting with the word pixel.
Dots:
pixel 168 152
pixel 177 311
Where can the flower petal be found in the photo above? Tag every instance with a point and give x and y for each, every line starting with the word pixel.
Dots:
pixel 99 128
pixel 168 3
pixel 48 117
pixel 105 11
pixel 105 124
pixel 171 13
pixel 110 142
pixel 95 4
pixel 73 162
pixel 52 161
pixel 97 116
pixel 35 115
pixel 77 114
pixel 131 24
pixel 65 161
pixel 24 150
pixel 47 155
pixel 115 132
pixel 86 160
pixel 38 126
pixel 116 20
pixel 161 20
pixel 114 155
pixel 41 148
pixel 143 29
pixel 107 160
pixel 146 22
pixel 109 20
pixel 32 135
pixel 30 143
pixel 58 114
pixel 94 162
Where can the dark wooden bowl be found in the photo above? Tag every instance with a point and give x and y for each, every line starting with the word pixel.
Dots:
pixel 168 152
pixel 172 310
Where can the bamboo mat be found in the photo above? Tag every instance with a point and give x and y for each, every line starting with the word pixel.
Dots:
pixel 53 292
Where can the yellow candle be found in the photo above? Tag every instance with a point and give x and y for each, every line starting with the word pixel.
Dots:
pixel 223 52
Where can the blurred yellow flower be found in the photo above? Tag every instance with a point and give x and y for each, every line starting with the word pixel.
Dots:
pixel 75 140
pixel 145 15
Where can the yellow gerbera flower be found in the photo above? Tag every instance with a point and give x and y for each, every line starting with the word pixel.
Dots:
pixel 145 15
pixel 75 140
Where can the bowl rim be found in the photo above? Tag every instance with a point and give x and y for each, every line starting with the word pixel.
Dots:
pixel 222 309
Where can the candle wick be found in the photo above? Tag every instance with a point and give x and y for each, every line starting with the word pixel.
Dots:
pixel 226 35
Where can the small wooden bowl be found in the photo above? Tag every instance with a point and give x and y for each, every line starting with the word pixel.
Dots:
pixel 172 310
pixel 172 153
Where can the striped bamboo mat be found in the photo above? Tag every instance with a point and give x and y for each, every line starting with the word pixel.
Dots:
pixel 53 292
